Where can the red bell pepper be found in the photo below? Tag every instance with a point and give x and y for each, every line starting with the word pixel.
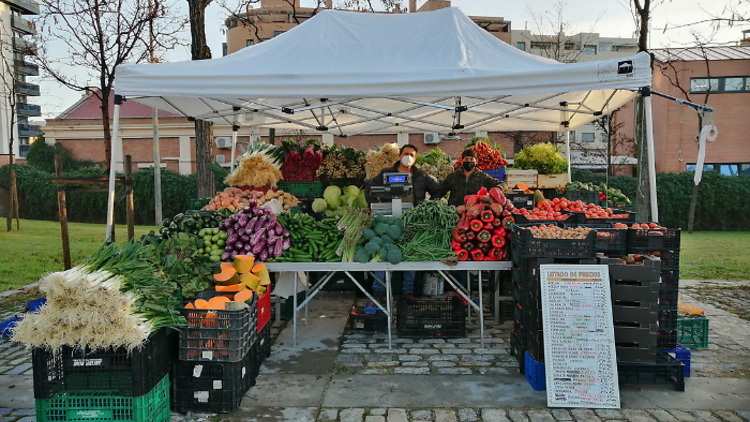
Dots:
pixel 496 254
pixel 497 196
pixel 489 258
pixel 476 225
pixel 482 191
pixel 463 255
pixel 470 200
pixel 508 222
pixel 498 241
pixel 458 235
pixel 455 245
pixel 487 216
pixel 477 255
pixel 461 209
pixel 470 235
pixel 484 236
pixel 497 209
pixel 500 231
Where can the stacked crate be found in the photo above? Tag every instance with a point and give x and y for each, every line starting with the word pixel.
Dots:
pixel 115 384
pixel 218 359
pixel 528 254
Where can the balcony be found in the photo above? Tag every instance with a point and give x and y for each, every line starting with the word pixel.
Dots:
pixel 25 88
pixel 29 110
pixel 24 47
pixel 27 69
pixel 22 25
pixel 26 7
pixel 29 131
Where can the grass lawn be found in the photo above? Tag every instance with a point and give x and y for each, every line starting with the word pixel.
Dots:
pixel 715 256
pixel 27 254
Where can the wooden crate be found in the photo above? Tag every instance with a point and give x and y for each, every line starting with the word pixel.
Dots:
pixel 514 177
pixel 552 180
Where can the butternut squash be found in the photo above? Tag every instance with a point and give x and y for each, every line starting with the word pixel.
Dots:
pixel 244 264
pixel 261 271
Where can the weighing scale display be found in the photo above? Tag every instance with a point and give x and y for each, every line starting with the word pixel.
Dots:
pixel 396 179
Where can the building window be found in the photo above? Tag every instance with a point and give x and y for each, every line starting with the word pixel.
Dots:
pixel 588 137
pixel 277 33
pixel 248 43
pixel 589 50
pixel 725 169
pixel 719 85
pixel 224 49
pixel 606 46
pixel 521 46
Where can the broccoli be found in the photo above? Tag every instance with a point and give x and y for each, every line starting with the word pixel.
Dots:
pixel 386 239
pixel 379 219
pixel 383 253
pixel 394 231
pixel 361 256
pixel 390 246
pixel 377 240
pixel 390 220
pixel 381 228
pixel 371 248
pixel 394 256
pixel 368 233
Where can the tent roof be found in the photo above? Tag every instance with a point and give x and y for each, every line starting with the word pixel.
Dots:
pixel 355 73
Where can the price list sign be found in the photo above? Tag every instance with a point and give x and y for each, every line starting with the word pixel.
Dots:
pixel 579 339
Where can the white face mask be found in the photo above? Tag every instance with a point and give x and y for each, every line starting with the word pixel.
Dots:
pixel 407 160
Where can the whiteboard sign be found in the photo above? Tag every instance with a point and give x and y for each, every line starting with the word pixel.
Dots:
pixel 579 337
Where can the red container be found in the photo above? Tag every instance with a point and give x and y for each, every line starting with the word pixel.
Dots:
pixel 264 310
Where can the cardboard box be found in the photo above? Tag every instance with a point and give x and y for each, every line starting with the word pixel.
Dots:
pixel 552 180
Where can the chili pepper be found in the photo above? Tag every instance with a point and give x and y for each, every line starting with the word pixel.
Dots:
pixel 477 255
pixel 497 223
pixel 496 254
pixel 487 216
pixel 457 235
pixel 470 235
pixel 497 196
pixel 455 245
pixel 484 236
pixel 473 212
pixel 482 191
pixel 476 225
pixel 463 255
pixel 508 222
pixel 498 241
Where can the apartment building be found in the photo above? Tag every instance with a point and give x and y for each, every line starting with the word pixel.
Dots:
pixel 15 90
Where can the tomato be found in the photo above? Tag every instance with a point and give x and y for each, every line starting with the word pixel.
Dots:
pixel 653 226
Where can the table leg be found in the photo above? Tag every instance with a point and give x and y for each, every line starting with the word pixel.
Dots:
pixel 294 314
pixel 388 303
pixel 481 311
pixel 468 287
pixel 497 296
pixel 307 292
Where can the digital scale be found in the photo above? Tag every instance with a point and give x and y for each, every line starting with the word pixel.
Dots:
pixel 396 189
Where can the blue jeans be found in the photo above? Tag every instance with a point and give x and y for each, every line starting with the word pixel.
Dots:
pixel 407 285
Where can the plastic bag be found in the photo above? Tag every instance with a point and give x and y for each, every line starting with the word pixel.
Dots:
pixel 275 206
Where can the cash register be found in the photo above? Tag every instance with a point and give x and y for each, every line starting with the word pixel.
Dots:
pixel 396 195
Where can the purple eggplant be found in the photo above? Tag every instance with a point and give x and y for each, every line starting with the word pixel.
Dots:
pixel 233 238
pixel 259 246
pixel 238 245
pixel 233 254
pixel 286 244
pixel 259 233
pixel 231 231
pixel 229 247
pixel 234 217
pixel 250 227
pixel 285 233
pixel 243 220
pixel 263 256
pixel 225 256
pixel 245 238
pixel 247 248
pixel 277 249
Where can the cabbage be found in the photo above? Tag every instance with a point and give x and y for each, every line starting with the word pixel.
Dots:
pixel 332 192
pixel 351 190
pixel 333 202
pixel 359 202
pixel 319 205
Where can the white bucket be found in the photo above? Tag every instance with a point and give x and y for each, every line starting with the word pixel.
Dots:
pixel 432 284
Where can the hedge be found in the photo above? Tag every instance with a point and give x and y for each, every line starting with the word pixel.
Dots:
pixel 719 206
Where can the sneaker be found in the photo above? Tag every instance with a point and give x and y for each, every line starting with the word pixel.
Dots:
pixel 410 298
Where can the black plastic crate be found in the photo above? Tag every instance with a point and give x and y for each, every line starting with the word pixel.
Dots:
pixel 286 305
pixel 129 373
pixel 527 246
pixel 668 298
pixel 361 322
pixel 625 316
pixel 666 340
pixel 649 271
pixel 431 318
pixel 630 354
pixel 631 294
pixel 668 320
pixel 637 338
pixel 587 196
pixel 654 239
pixel 535 344
pixel 265 343
pixel 629 219
pixel 218 336
pixel 670 279
pixel 612 242
pixel 215 387
pixel 664 370
pixel 517 349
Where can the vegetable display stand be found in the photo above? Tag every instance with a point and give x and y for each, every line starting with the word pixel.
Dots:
pixel 431 318
pixel 524 177
pixel 551 180
pixel 664 370
pixel 216 387
pixel 304 189
pixel 102 405
pixel 216 335
pixel 587 196
pixel 361 322
pixel 692 331
pixel 127 373
pixel 498 174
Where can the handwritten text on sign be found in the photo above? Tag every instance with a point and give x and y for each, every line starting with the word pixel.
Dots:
pixel 579 339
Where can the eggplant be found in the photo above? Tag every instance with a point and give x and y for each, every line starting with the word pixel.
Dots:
pixel 263 255
pixel 245 238
pixel 285 233
pixel 243 220
pixel 233 254
pixel 277 249
pixel 257 235
pixel 229 247
pixel 247 248
pixel 234 217
pixel 250 227
pixel 225 256
pixel 258 212
pixel 286 244
pixel 278 229
pixel 238 245
pixel 231 231
pixel 233 238
pixel 259 246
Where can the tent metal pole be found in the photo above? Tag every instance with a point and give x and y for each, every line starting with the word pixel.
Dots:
pixel 567 153
pixel 651 155
pixel 115 146
pixel 234 147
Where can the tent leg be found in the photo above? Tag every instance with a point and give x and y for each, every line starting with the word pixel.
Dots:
pixel 651 155
pixel 112 170
pixel 567 153
pixel 234 147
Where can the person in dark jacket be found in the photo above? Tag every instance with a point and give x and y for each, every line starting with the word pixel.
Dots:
pixel 467 179
pixel 421 185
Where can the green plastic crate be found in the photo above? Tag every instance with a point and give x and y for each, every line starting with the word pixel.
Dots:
pixel 692 331
pixel 308 189
pixel 96 406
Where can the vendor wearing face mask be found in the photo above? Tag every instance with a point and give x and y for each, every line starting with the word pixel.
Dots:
pixel 467 179
pixel 421 185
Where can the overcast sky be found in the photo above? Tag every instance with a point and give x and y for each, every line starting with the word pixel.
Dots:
pixel 610 18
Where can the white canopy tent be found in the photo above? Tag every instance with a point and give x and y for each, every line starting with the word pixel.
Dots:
pixel 349 73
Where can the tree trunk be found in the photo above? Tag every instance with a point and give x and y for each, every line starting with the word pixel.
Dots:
pixel 203 137
pixel 203 130
pixel 11 189
pixel 107 131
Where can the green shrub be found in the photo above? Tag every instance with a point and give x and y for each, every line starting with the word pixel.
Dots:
pixel 42 156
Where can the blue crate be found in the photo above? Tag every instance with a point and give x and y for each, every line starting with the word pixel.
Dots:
pixel 682 354
pixel 34 305
pixel 534 373
pixel 498 174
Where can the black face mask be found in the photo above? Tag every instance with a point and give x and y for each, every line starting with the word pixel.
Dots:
pixel 469 166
